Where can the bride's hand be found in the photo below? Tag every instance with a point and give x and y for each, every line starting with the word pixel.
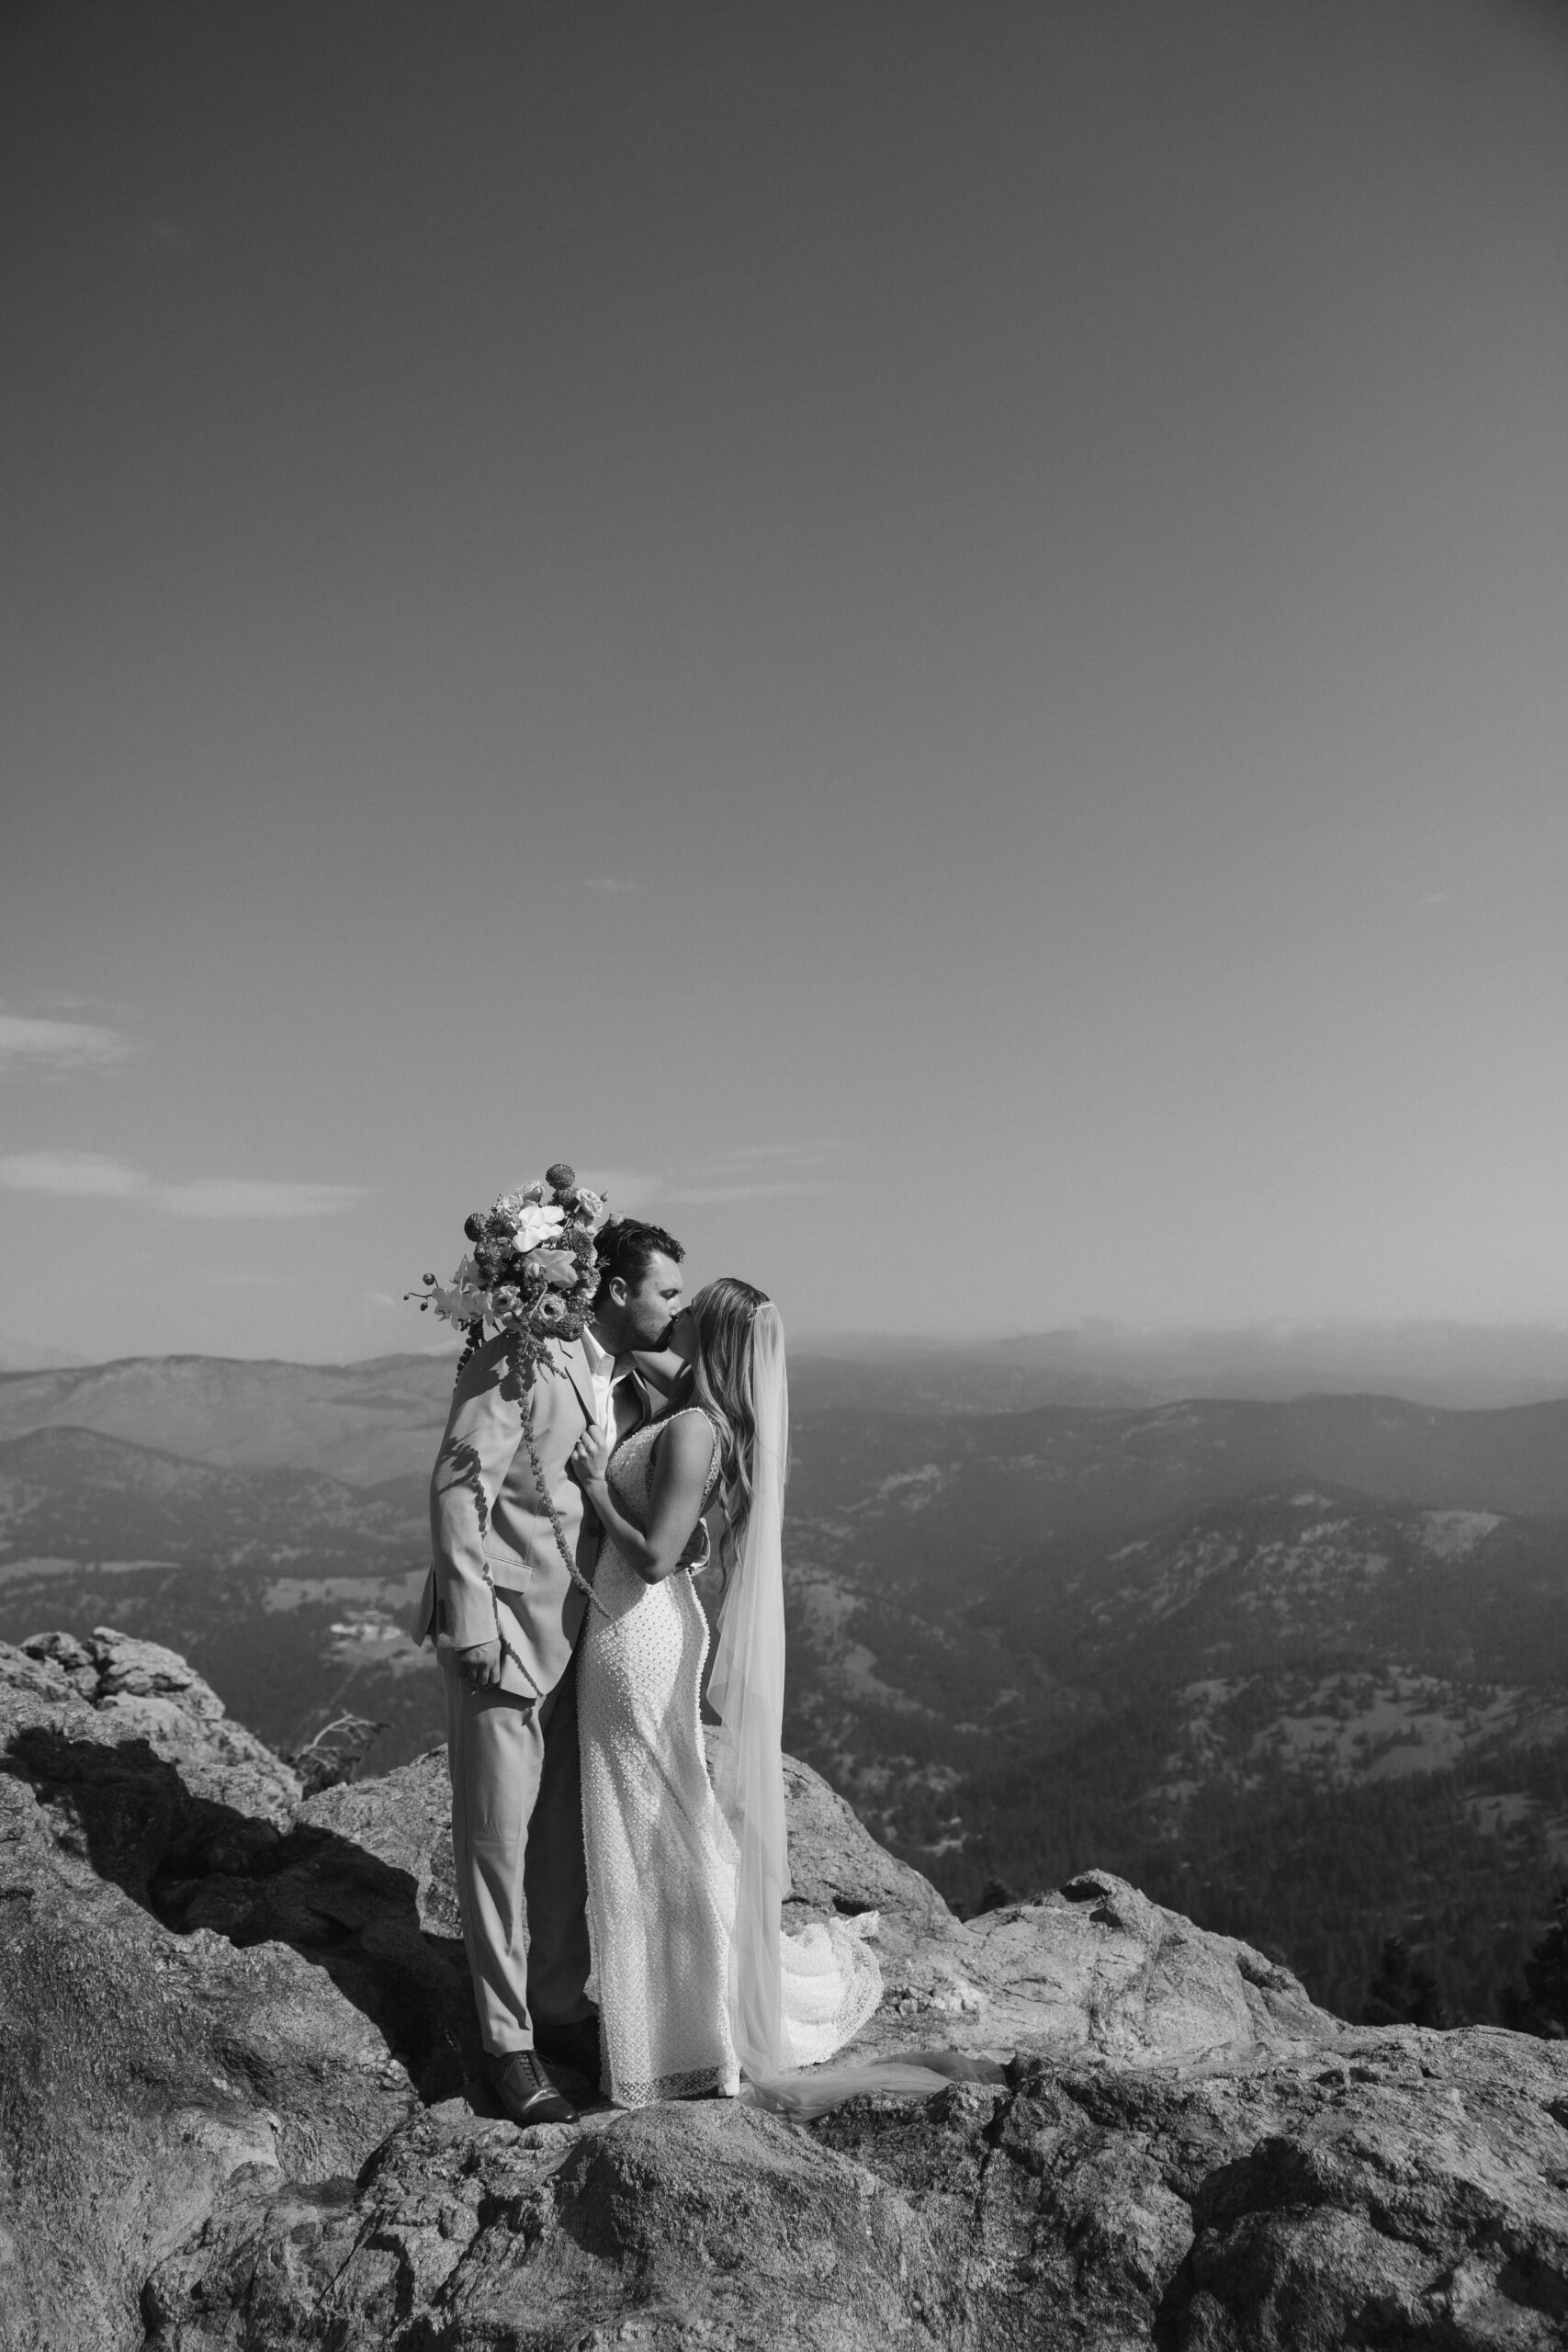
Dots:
pixel 590 1458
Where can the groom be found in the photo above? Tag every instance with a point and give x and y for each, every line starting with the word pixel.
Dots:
pixel 505 1617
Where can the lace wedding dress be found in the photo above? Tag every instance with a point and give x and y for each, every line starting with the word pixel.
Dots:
pixel 661 1861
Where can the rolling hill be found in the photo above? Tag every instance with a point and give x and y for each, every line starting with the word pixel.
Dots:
pixel 360 1423
pixel 1299 1666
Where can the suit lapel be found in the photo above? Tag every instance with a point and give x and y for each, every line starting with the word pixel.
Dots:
pixel 573 1360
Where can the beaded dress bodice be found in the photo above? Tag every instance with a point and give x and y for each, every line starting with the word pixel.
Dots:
pixel 616 1583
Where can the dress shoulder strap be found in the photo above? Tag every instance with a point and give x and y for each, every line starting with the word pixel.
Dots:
pixel 717 1427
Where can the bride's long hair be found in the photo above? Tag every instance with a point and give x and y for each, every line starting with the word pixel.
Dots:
pixel 739 1376
pixel 724 1314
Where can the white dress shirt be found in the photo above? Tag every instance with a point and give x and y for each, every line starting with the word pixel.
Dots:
pixel 605 1379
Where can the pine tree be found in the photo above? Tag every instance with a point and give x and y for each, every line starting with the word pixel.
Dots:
pixel 1401 1994
pixel 1543 2009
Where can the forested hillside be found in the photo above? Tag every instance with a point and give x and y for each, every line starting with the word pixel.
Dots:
pixel 1300 1668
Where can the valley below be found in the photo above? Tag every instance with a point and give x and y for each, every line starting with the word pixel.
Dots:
pixel 1298 1668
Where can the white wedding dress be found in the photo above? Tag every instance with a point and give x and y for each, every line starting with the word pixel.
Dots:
pixel 662 1859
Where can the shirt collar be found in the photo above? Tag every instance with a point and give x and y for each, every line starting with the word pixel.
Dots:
pixel 601 1362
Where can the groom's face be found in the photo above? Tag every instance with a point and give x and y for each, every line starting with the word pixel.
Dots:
pixel 642 1316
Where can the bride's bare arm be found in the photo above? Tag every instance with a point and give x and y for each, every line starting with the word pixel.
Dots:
pixel 681 1462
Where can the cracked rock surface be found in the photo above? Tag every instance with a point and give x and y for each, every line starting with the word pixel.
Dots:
pixel 240 2106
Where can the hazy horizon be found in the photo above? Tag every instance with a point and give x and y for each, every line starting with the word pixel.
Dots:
pixel 929 640
pixel 1476 1362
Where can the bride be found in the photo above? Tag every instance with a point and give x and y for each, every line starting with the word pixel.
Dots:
pixel 697 1985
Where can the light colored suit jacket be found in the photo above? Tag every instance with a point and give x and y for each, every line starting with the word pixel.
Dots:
pixel 500 1570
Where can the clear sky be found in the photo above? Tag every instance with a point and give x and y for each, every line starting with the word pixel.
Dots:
pixel 935 637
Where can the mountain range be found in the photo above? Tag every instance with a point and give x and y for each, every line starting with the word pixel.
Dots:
pixel 1300 1667
pixel 1461 1365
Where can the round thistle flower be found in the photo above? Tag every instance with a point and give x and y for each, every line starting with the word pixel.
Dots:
pixel 562 1177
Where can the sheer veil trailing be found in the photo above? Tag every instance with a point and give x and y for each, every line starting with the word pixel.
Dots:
pixel 746 1691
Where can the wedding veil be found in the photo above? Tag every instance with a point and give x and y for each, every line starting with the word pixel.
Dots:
pixel 746 1691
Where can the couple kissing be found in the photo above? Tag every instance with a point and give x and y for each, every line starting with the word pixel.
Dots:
pixel 605 1446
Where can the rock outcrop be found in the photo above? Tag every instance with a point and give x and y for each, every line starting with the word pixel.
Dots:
pixel 239 2102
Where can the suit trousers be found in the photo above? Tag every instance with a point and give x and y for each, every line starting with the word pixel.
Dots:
pixel 517 1845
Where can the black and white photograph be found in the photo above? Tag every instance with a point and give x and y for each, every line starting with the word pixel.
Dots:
pixel 783 1176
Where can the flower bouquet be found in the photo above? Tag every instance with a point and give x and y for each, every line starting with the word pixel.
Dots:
pixel 532 1270
pixel 531 1273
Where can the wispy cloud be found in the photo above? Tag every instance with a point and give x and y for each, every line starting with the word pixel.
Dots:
pixel 609 885
pixel 699 1193
pixel 764 1160
pixel 766 1172
pixel 92 1175
pixel 760 1171
pixel 67 1001
pixel 240 1197
pixel 74 1175
pixel 628 1189
pixel 55 1049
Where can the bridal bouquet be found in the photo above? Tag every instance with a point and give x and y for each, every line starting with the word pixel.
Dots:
pixel 532 1270
pixel 531 1273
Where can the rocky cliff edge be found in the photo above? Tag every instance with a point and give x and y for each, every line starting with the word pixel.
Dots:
pixel 239 2102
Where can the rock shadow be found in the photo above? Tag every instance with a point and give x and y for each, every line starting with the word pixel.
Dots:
pixel 194 1863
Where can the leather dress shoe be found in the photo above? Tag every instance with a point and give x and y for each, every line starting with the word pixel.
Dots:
pixel 527 2092
pixel 576 2046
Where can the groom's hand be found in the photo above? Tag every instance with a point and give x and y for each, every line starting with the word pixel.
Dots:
pixel 479 1667
pixel 699 1549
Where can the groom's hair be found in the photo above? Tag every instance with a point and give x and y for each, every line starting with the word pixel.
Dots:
pixel 627 1248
